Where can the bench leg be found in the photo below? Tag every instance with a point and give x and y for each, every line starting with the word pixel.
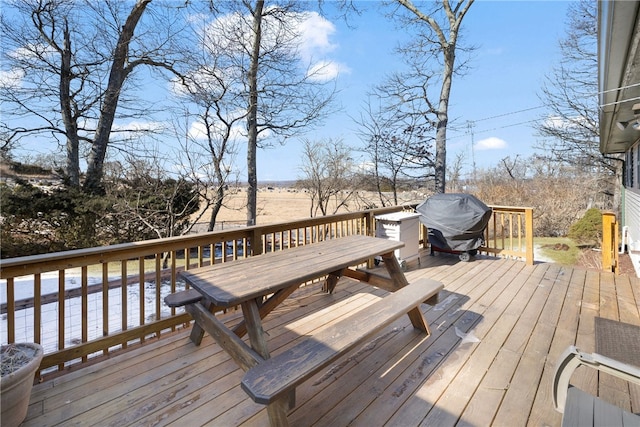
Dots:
pixel 278 412
pixel 418 321
pixel 197 333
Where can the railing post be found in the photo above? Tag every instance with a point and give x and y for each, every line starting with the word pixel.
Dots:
pixel 371 231
pixel 256 241
pixel 371 224
pixel 528 214
pixel 609 242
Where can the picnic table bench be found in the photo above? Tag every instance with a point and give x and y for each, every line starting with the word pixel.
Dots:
pixel 259 284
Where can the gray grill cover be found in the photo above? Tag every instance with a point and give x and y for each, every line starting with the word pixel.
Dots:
pixel 456 222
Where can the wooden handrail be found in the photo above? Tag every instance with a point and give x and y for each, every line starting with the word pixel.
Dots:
pixel 111 298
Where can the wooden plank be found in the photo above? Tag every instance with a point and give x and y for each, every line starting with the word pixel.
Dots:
pixel 277 375
pixel 538 323
pixel 172 382
pixel 500 365
pixel 165 392
pixel 182 298
pixel 257 276
pixel 453 402
pixel 373 399
pixel 267 307
pixel 254 328
pixel 565 335
pixel 194 395
pixel 104 386
pixel 413 411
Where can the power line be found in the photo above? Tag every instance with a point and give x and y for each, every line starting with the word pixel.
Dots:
pixel 493 129
pixel 509 113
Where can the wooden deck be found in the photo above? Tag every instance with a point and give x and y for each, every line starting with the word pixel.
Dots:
pixel 496 334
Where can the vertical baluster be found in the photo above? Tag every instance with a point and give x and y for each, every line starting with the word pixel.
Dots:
pixel 37 308
pixel 123 298
pixel 212 254
pixel 142 296
pixel 61 313
pixel 158 285
pixel 84 303
pixel 105 303
pixel 11 311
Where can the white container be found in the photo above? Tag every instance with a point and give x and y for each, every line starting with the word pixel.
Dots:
pixel 403 227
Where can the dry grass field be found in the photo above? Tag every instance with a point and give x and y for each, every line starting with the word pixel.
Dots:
pixel 285 204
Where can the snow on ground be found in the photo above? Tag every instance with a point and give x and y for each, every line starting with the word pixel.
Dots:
pixel 24 327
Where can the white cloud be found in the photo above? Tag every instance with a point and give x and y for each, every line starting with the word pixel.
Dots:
pixel 323 71
pixel 315 32
pixel 315 44
pixel 491 143
pixel 11 79
pixel 198 131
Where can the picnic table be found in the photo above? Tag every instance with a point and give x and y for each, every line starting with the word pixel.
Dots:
pixel 259 284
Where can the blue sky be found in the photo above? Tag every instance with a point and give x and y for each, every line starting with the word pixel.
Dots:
pixel 517 45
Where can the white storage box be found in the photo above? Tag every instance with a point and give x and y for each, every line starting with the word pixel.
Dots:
pixel 403 227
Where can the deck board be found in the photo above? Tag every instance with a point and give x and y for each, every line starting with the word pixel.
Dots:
pixel 522 316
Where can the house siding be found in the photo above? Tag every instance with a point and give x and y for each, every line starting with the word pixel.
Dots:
pixel 632 217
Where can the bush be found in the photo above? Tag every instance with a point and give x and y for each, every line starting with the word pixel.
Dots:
pixel 36 220
pixel 588 230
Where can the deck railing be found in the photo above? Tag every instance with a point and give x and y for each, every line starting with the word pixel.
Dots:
pixel 83 304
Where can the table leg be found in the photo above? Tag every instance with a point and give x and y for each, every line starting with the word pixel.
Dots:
pixel 253 323
pixel 331 281
pixel 265 307
pixel 257 337
pixel 395 270
pixel 400 281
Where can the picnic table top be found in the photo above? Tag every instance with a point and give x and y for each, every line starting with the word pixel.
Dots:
pixel 231 283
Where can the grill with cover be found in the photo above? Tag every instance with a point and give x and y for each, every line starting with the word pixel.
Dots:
pixel 456 223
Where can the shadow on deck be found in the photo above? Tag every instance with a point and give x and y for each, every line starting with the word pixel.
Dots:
pixel 497 332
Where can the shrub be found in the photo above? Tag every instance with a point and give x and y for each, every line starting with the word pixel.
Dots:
pixel 588 230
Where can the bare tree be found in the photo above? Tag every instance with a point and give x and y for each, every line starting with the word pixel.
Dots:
pixel 435 43
pixel 148 202
pixel 70 60
pixel 283 95
pixel 328 172
pixel 209 151
pixel 570 93
pixel 454 173
pixel 395 130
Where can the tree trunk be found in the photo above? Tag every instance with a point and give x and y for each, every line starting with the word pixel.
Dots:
pixel 68 119
pixel 252 117
pixel 119 71
pixel 447 45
